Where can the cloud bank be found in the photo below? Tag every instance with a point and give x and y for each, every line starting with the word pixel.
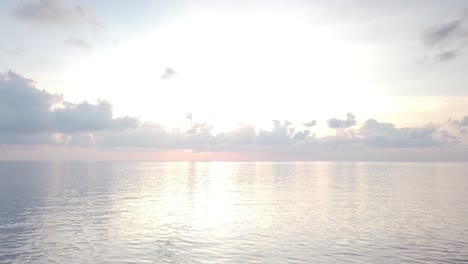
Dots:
pixel 30 116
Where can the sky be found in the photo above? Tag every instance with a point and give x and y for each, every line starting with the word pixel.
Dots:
pixel 234 80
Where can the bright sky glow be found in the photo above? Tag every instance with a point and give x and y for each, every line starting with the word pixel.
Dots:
pixel 254 68
pixel 207 78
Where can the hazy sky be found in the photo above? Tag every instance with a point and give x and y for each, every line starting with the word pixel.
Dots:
pixel 234 80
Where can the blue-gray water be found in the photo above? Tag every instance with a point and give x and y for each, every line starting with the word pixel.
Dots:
pixel 233 212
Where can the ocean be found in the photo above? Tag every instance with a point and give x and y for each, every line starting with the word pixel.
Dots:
pixel 215 212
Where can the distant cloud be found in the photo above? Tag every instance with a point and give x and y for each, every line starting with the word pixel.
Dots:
pixel 30 116
pixel 377 134
pixel 446 41
pixel 342 123
pixel 168 74
pixel 77 42
pixel 55 12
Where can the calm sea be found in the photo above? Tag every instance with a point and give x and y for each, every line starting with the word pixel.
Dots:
pixel 233 212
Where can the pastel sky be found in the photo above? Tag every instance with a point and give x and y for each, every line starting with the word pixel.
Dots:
pixel 234 80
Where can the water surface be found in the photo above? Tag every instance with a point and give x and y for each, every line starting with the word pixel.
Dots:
pixel 233 212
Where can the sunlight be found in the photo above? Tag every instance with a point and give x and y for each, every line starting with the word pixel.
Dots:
pixel 230 70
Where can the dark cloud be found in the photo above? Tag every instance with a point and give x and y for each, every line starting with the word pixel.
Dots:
pixel 447 40
pixel 342 123
pixel 168 74
pixel 24 109
pixel 55 12
pixel 77 42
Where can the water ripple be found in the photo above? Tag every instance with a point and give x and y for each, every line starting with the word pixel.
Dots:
pixel 233 213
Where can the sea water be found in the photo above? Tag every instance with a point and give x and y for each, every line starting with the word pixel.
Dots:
pixel 117 212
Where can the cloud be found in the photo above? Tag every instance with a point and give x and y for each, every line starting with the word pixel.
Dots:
pixel 22 106
pixel 446 55
pixel 242 135
pixel 342 123
pixel 310 124
pixel 24 109
pixel 461 123
pixel 301 135
pixel 168 74
pixel 280 134
pixel 378 134
pixel 446 41
pixel 189 116
pixel 90 117
pixel 30 116
pixel 55 12
pixel 437 34
pixel 77 42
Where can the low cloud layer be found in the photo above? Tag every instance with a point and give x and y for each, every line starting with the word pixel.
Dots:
pixel 30 116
